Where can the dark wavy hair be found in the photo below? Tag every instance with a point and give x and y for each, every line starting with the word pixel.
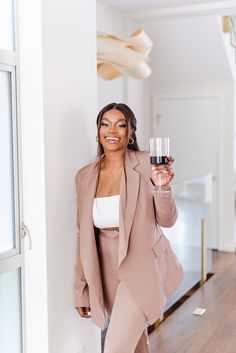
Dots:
pixel 131 121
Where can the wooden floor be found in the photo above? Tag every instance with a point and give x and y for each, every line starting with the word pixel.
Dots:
pixel 215 331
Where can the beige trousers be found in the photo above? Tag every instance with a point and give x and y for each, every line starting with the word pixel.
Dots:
pixel 127 330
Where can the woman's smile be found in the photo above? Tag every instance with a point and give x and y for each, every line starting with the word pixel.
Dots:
pixel 112 139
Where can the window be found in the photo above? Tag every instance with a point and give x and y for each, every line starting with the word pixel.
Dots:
pixel 10 249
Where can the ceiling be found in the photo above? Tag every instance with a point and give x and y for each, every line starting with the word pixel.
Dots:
pixel 138 5
pixel 187 51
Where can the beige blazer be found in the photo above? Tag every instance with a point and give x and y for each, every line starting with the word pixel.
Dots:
pixel 146 263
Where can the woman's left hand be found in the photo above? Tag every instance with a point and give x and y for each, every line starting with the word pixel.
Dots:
pixel 162 174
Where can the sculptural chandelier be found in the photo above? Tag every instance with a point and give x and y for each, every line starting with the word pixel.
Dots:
pixel 118 55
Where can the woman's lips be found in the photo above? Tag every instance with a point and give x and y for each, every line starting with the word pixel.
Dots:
pixel 111 139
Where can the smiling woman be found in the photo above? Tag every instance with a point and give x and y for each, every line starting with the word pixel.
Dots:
pixel 119 218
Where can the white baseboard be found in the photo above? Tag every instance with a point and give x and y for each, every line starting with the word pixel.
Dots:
pixel 227 247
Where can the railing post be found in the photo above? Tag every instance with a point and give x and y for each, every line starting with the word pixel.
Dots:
pixel 226 24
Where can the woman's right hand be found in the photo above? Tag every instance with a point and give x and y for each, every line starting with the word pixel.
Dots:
pixel 84 311
pixel 161 174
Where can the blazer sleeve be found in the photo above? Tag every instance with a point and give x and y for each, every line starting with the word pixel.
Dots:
pixel 165 207
pixel 81 289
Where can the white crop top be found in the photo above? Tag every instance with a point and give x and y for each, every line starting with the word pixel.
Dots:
pixel 106 211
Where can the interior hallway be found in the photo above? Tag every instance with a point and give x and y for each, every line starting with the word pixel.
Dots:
pixel 215 331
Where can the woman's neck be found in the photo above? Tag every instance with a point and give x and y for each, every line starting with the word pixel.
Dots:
pixel 113 160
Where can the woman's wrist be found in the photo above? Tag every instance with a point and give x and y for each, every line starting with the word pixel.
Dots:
pixel 165 187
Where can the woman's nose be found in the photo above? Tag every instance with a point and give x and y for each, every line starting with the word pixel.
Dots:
pixel 112 127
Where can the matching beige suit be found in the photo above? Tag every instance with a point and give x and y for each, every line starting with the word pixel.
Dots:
pixel 146 263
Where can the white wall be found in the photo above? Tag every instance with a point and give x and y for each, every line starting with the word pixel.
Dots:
pixel 70 107
pixel 122 89
pixel 58 112
pixel 188 51
pixel 112 22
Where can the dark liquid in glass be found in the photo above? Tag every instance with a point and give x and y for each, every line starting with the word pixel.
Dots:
pixel 159 160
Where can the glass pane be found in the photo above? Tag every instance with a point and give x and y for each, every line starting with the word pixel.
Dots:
pixel 7 221
pixel 10 312
pixel 7 25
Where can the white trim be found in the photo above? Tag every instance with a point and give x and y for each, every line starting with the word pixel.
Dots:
pixel 20 172
pixel 227 247
pixel 222 8
pixel 16 249
pixel 8 57
pixel 11 263
pixel 15 160
pixel 189 95
pixel 13 259
pixel 7 68
pixel 32 174
pixel 8 253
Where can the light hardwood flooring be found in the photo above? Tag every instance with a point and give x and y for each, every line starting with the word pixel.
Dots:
pixel 215 331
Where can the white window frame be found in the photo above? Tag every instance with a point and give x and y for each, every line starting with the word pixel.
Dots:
pixel 17 249
pixel 12 259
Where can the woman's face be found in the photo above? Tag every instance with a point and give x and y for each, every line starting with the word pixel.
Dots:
pixel 113 132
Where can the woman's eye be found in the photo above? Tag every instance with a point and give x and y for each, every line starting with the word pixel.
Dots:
pixel 122 125
pixel 104 124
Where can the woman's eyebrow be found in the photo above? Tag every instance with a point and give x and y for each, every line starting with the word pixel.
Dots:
pixel 117 120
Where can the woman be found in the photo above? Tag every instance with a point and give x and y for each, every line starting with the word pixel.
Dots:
pixel 124 265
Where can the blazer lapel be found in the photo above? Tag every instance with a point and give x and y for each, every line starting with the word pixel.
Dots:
pixel 129 189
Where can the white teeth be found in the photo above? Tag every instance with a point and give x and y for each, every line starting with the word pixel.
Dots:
pixel 112 138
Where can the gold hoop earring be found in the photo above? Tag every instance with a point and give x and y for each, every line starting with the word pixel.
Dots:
pixel 131 141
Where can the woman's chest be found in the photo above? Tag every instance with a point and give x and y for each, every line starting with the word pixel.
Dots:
pixel 108 183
